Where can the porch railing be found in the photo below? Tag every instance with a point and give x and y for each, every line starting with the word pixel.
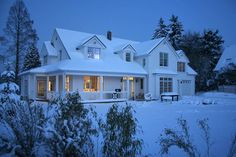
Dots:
pixel 93 95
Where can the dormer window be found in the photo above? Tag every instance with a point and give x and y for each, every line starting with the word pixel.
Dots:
pixel 94 53
pixel 128 57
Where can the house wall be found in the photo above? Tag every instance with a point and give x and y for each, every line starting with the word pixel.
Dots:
pixel 78 83
pixel 111 83
pixel 184 77
pixel 58 45
pixel 153 63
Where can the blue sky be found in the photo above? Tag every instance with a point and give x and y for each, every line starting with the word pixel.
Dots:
pixel 130 19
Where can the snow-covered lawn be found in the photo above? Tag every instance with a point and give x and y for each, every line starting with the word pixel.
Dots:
pixel 154 116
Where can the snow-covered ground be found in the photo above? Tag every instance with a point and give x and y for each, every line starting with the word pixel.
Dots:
pixel 154 116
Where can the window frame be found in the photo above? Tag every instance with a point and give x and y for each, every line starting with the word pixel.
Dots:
pixel 129 56
pixel 144 62
pixel 94 53
pixel 163 59
pixel 166 84
pixel 181 66
pixel 91 84
pixel 45 60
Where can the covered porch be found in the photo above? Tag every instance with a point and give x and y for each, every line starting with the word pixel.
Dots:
pixel 92 87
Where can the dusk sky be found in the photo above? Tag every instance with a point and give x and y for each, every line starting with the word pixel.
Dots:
pixel 130 19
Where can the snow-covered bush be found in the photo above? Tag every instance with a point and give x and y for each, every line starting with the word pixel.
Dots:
pixel 72 129
pixel 182 138
pixel 8 89
pixel 23 121
pixel 119 133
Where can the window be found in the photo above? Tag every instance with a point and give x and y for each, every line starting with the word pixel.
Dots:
pixel 180 66
pixel 141 84
pixel 91 83
pixel 45 60
pixel 166 84
pixel 164 59
pixel 94 53
pixel 41 90
pixel 128 57
pixel 51 83
pixel 67 83
pixel 60 55
pixel 144 62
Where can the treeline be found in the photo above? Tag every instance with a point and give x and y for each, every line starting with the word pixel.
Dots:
pixel 203 49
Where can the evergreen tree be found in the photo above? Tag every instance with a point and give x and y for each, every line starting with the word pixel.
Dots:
pixel 161 30
pixel 176 29
pixel 191 44
pixel 9 91
pixel 19 34
pixel 119 133
pixel 32 59
pixel 212 49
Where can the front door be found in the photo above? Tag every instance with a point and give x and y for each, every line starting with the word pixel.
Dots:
pixel 131 83
pixel 41 89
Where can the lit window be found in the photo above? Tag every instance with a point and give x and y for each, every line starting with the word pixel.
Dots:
pixel 94 53
pixel 91 83
pixel 67 83
pixel 128 57
pixel 51 83
pixel 166 84
pixel 164 59
pixel 144 62
pixel 180 66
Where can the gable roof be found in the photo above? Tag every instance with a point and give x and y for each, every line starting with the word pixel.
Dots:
pixel 146 47
pixel 72 39
pixel 227 57
pixel 90 38
pixel 122 47
pixel 182 56
pixel 50 49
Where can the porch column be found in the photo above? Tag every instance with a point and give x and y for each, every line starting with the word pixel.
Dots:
pixel 101 87
pixel 47 87
pixel 127 87
pixel 34 87
pixel 63 84
pixel 144 85
pixel 57 85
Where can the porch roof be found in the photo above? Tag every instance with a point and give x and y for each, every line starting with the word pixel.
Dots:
pixel 91 66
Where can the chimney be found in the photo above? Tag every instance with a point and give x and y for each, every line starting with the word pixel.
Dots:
pixel 109 35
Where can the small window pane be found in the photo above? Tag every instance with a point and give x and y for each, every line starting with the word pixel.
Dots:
pixel 128 57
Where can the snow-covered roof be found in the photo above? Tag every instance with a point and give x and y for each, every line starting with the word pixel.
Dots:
pixel 50 49
pixel 182 56
pixel 105 65
pixel 73 39
pixel 146 47
pixel 165 71
pixel 228 56
pixel 190 71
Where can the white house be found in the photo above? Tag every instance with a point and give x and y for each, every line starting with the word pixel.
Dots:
pixel 97 66
pixel 227 57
